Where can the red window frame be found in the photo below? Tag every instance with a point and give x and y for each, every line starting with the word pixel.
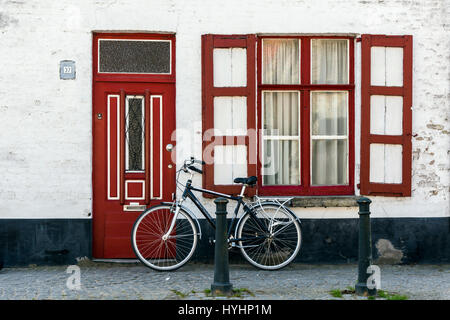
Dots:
pixel 305 87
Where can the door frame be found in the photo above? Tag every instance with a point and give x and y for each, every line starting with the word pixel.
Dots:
pixel 97 77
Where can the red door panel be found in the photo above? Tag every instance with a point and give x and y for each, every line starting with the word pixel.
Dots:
pixel 132 169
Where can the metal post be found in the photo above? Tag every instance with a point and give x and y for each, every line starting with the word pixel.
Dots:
pixel 221 285
pixel 365 248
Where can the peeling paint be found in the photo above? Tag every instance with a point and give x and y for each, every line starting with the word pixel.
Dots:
pixel 5 20
pixel 435 126
pixel 387 253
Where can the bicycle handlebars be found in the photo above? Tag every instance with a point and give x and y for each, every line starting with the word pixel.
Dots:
pixel 188 164
pixel 195 169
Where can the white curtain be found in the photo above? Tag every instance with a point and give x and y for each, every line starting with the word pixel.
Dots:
pixel 329 138
pixel 281 142
pixel 329 59
pixel 281 61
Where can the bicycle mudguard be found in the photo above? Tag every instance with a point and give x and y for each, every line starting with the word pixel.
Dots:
pixel 277 204
pixel 189 212
pixel 253 205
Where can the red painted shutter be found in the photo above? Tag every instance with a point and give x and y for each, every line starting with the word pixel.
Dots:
pixel 209 92
pixel 371 90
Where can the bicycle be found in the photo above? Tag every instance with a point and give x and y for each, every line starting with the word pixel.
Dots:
pixel 164 237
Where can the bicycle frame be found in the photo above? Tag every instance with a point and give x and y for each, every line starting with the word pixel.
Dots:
pixel 269 252
pixel 188 193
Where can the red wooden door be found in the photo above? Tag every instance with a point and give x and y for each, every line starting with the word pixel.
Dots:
pixel 132 168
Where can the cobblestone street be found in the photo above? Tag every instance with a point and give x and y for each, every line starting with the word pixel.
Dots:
pixel 136 282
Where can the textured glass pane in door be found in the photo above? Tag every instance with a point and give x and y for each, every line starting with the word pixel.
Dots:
pixel 135 134
pixel 134 56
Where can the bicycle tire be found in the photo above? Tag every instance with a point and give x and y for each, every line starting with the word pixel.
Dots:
pixel 256 248
pixel 159 254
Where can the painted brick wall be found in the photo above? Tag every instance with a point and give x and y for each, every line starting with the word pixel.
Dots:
pixel 45 137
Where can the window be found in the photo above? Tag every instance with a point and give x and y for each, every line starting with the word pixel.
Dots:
pixel 134 133
pixel 281 138
pixel 299 113
pixel 134 56
pixel 139 57
pixel 306 103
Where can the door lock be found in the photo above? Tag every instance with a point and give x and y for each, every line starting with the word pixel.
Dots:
pixel 169 147
pixel 99 116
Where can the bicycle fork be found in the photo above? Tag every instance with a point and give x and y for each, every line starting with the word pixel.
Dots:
pixel 172 224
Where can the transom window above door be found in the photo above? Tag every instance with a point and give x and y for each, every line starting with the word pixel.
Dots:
pixel 140 57
pixel 134 56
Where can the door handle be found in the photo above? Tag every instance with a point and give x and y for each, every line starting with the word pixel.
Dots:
pixel 169 147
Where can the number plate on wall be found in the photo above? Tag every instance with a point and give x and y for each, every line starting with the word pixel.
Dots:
pixel 67 70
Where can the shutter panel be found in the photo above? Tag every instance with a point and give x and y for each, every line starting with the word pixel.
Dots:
pixel 228 98
pixel 386 115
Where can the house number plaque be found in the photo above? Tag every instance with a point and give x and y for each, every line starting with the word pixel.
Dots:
pixel 67 70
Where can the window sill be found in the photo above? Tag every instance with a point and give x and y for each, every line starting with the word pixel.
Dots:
pixel 319 201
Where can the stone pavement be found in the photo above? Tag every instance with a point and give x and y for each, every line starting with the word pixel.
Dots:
pixel 100 280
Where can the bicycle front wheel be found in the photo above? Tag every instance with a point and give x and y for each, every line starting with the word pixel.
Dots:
pixel 159 252
pixel 270 238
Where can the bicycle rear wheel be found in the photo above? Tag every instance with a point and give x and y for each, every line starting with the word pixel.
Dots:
pixel 273 246
pixel 164 254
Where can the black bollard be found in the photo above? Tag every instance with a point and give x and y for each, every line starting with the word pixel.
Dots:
pixel 221 285
pixel 365 248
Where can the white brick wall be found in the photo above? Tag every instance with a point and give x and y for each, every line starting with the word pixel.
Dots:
pixel 46 138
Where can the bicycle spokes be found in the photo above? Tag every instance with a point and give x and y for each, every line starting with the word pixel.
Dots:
pixel 273 246
pixel 160 249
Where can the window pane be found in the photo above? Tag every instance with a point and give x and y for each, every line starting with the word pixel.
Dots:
pixel 135 134
pixel 230 67
pixel 281 61
pixel 386 163
pixel 230 116
pixel 281 162
pixel 329 162
pixel 386 66
pixel 128 56
pixel 329 113
pixel 281 113
pixel 329 61
pixel 386 115
pixel 230 162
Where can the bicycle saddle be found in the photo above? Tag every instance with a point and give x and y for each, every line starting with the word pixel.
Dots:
pixel 248 181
